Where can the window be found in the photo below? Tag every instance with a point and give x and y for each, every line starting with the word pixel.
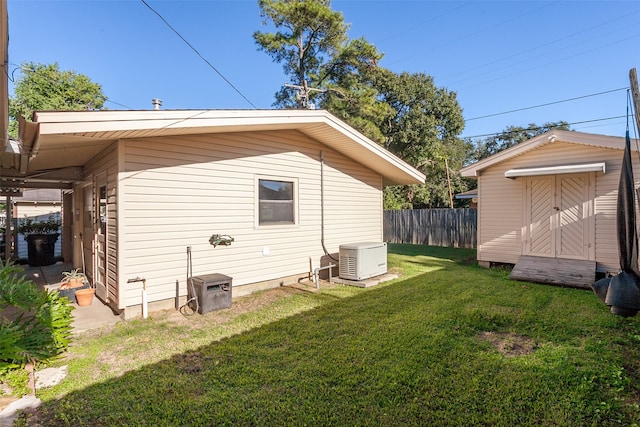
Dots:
pixel 276 204
pixel 103 209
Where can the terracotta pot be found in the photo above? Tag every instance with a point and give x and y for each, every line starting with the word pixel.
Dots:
pixel 84 297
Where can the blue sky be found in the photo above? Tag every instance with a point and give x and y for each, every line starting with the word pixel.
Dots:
pixel 498 56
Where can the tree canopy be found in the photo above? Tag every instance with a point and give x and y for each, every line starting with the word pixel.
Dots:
pixel 47 87
pixel 511 136
pixel 308 32
pixel 406 113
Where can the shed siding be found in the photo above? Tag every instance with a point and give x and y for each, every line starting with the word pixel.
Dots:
pixel 177 192
pixel 499 217
pixel 107 162
pixel 500 207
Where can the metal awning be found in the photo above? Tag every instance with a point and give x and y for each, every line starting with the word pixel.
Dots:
pixel 555 170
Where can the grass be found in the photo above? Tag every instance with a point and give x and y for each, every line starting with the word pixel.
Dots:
pixel 408 352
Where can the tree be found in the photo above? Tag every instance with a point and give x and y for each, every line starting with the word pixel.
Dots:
pixel 405 113
pixel 350 91
pixel 46 87
pixel 423 131
pixel 511 136
pixel 307 33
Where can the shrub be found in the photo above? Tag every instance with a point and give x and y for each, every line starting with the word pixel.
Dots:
pixel 29 226
pixel 41 327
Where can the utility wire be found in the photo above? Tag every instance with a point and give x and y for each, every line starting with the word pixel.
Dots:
pixel 542 127
pixel 199 54
pixel 563 58
pixel 546 52
pixel 118 104
pixel 435 18
pixel 475 33
pixel 545 105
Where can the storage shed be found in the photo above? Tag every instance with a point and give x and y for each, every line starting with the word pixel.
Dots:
pixel 548 206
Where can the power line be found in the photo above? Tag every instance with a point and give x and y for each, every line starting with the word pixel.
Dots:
pixel 475 33
pixel 541 127
pixel 118 104
pixel 545 64
pixel 546 105
pixel 200 55
pixel 435 18
pixel 546 53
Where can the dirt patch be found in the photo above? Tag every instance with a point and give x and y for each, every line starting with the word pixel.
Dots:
pixel 509 344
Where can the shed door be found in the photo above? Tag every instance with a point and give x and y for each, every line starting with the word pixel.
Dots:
pixel 559 220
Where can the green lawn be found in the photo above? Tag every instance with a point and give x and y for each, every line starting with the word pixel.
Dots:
pixel 409 352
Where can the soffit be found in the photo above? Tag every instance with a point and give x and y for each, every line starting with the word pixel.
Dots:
pixel 73 138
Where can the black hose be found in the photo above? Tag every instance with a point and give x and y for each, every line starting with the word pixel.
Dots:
pixel 324 248
pixel 194 296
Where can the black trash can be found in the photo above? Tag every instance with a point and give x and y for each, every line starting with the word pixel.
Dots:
pixel 213 292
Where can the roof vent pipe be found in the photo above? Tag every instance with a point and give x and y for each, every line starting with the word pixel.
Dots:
pixel 157 103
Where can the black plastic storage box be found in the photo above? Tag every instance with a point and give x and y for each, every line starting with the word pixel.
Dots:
pixel 213 292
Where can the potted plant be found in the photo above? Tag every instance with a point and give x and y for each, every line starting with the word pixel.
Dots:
pixel 72 281
pixel 41 237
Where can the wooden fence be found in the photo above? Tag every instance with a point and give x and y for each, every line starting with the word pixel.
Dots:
pixel 436 227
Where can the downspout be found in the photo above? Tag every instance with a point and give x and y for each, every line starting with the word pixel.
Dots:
pixel 324 248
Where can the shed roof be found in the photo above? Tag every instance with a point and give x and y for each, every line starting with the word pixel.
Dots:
pixel 67 140
pixel 553 136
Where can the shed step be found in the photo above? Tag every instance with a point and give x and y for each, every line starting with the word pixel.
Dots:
pixel 555 271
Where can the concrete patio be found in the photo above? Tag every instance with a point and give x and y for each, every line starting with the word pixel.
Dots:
pixel 86 318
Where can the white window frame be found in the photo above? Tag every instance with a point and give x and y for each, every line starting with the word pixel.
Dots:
pixel 296 199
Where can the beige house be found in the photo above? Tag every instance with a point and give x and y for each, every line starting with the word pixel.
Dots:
pixel 548 205
pixel 144 188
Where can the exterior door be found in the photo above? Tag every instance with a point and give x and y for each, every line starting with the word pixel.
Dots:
pixel 100 231
pixel 559 220
pixel 88 215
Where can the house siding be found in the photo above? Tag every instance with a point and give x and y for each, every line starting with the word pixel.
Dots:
pixel 501 207
pixel 178 191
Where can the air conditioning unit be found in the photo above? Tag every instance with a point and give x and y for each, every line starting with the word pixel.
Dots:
pixel 359 261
